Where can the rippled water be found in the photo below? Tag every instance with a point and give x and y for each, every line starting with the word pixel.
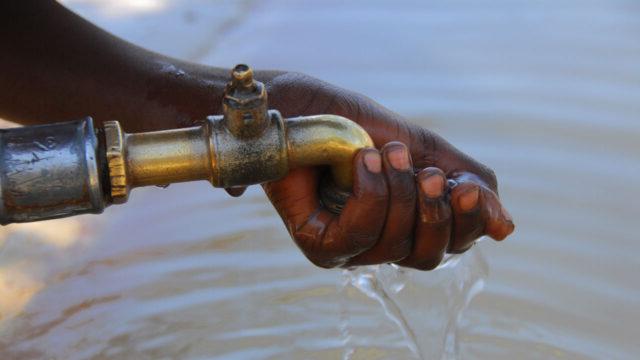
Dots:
pixel 546 92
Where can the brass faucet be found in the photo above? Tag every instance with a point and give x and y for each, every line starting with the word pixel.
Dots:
pixel 65 169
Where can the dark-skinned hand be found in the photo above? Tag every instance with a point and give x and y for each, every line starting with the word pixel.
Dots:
pixel 415 196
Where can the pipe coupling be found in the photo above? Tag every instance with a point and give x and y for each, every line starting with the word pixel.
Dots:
pixel 66 169
pixel 50 171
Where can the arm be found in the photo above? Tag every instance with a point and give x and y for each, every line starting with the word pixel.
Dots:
pixel 58 66
pixel 415 195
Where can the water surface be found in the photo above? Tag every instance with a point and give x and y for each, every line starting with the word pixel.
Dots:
pixel 546 92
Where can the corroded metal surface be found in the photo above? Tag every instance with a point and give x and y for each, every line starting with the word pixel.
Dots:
pixel 246 145
pixel 245 161
pixel 53 170
pixel 245 104
pixel 115 162
pixel 49 171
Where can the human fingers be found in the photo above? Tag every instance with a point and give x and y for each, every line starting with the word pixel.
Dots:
pixel 477 211
pixel 433 223
pixel 329 240
pixel 396 240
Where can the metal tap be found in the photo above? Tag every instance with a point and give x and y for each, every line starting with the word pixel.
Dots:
pixel 65 169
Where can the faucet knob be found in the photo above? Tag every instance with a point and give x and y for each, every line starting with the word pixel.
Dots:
pixel 242 77
pixel 245 104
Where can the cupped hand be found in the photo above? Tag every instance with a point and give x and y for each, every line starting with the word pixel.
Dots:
pixel 415 196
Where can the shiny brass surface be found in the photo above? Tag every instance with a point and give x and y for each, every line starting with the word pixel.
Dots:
pixel 170 156
pixel 114 151
pixel 247 145
pixel 326 140
pixel 209 152
pixel 70 168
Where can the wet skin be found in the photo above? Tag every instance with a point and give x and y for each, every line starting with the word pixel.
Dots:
pixel 415 196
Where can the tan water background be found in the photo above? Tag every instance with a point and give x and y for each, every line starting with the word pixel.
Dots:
pixel 545 92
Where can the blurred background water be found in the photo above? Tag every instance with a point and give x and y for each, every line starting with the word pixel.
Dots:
pixel 546 92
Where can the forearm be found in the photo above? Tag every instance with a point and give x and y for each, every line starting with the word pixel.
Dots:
pixel 58 66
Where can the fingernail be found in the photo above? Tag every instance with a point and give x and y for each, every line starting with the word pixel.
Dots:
pixel 469 199
pixel 372 161
pixel 433 186
pixel 398 158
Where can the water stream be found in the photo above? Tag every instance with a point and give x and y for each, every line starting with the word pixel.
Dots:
pixel 546 92
pixel 384 284
pixel 369 282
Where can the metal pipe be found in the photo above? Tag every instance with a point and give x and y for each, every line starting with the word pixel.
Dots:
pixel 166 157
pixel 246 145
pixel 50 171
pixel 326 140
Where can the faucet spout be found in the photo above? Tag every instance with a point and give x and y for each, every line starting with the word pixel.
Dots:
pixel 326 140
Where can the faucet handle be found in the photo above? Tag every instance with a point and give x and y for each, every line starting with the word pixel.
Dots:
pixel 242 78
pixel 245 104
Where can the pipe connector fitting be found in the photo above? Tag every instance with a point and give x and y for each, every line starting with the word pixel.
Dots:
pixel 67 169
pixel 242 158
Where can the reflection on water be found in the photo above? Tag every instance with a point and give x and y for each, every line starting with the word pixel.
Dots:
pixel 548 93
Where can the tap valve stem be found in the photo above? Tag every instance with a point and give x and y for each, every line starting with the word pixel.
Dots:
pixel 245 104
